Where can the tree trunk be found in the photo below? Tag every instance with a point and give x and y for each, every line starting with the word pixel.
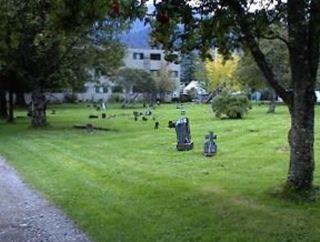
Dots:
pixel 11 107
pixel 125 100
pixel 3 105
pixel 39 106
pixel 303 44
pixel 272 104
pixel 20 101
pixel 301 141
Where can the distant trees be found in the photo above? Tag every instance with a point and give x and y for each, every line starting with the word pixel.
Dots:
pixel 164 82
pixel 221 73
pixel 135 81
pixel 188 67
pixel 249 75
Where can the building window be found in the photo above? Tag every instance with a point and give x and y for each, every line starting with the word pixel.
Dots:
pixel 138 56
pixel 101 89
pixel 174 74
pixel 155 56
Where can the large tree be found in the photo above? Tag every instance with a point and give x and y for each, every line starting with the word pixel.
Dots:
pixel 45 43
pixel 233 24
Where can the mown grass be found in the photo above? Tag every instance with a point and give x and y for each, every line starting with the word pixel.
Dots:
pixel 130 184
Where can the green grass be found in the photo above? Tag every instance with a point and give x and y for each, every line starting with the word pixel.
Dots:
pixel 130 184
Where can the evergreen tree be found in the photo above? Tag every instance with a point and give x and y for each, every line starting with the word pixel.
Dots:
pixel 188 67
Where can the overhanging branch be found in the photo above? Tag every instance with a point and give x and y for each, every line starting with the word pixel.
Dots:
pixel 250 41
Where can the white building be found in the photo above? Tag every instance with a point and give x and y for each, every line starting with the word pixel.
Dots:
pixel 194 86
pixel 147 59
pixel 153 60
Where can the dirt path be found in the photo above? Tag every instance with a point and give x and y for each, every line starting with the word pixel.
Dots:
pixel 26 216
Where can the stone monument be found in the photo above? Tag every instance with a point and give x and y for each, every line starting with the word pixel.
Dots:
pixel 210 147
pixel 183 135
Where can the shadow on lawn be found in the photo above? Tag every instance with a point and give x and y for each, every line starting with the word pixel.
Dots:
pixel 295 196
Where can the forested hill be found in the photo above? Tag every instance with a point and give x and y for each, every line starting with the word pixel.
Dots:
pixel 137 37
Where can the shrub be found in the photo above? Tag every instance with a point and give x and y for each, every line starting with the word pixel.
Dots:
pixel 116 97
pixel 70 97
pixel 234 106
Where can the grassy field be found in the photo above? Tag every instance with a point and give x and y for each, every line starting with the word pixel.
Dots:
pixel 130 184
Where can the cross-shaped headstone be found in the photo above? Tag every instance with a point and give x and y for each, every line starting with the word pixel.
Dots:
pixel 210 147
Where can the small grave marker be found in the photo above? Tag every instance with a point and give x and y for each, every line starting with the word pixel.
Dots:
pixel 89 128
pixel 171 124
pixel 156 125
pixel 136 115
pixel 210 147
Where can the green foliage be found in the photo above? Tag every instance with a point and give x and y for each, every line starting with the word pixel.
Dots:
pixel 234 106
pixel 221 73
pixel 57 44
pixel 188 67
pixel 248 73
pixel 164 82
pixel 70 98
pixel 136 80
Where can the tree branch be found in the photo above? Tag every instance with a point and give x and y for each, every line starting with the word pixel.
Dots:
pixel 252 44
pixel 275 37
pixel 314 37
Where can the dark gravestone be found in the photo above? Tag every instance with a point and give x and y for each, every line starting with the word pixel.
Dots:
pixel 171 124
pixel 98 108
pixel 156 125
pixel 89 128
pixel 183 135
pixel 144 118
pixel 53 111
pixel 103 115
pixel 210 147
pixel 93 116
pixel 136 115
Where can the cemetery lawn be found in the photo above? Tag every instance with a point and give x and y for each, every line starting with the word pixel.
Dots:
pixel 130 184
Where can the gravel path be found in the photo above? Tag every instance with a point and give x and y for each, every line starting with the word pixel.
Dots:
pixel 25 216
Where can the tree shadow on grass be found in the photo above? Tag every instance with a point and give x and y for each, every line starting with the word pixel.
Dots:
pixel 288 194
